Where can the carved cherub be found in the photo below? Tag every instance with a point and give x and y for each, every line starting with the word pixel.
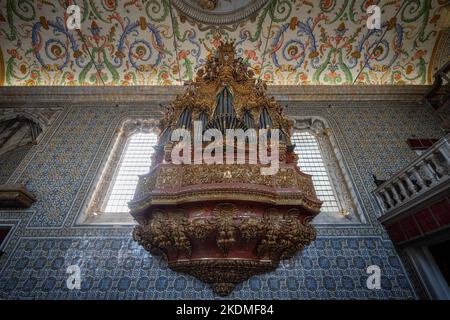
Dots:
pixel 279 108
pixel 190 87
pixel 241 69
pixel 200 74
pixel 261 87
pixel 208 69
pixel 167 116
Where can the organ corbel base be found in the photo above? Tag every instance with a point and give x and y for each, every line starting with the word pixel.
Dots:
pixel 223 274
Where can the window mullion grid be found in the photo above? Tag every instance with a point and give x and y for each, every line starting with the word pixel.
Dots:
pixel 311 162
pixel 135 161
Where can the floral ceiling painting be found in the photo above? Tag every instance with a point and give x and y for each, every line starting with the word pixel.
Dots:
pixel 160 42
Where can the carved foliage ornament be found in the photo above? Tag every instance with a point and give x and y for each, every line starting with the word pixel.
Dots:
pixel 278 234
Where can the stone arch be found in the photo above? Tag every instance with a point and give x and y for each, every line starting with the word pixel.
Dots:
pixel 92 209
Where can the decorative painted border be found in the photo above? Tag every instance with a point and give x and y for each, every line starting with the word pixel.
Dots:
pixel 212 18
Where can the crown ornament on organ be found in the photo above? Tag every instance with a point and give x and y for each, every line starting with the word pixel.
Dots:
pixel 226 74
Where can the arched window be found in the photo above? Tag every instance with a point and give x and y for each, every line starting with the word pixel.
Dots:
pixel 310 161
pixel 130 156
pixel 318 157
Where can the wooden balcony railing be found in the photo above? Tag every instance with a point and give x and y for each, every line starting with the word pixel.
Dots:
pixel 428 171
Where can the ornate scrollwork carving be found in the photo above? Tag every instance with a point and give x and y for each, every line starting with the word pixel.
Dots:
pixel 245 173
pixel 224 221
pixel 279 235
pixel 223 274
pixel 167 178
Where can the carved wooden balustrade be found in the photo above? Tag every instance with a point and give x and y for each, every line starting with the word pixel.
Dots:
pixel 425 176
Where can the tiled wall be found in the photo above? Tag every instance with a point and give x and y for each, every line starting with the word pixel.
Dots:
pixel 10 160
pixel 60 170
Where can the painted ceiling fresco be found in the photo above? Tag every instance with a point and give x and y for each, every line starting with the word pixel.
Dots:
pixel 150 42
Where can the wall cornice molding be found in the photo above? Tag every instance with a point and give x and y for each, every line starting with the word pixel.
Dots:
pixel 144 95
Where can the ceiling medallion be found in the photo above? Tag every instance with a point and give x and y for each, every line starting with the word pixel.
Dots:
pixel 218 12
pixel 224 223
